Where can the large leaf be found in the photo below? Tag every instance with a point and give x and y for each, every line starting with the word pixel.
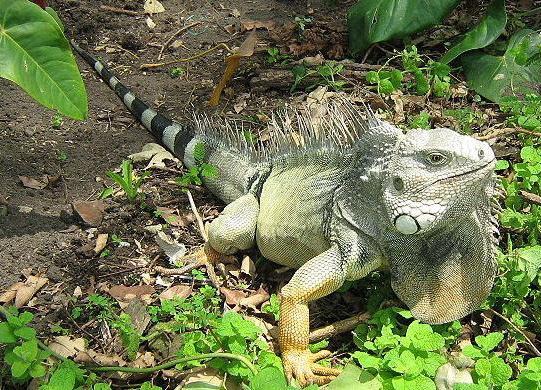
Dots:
pixel 482 35
pixel 371 21
pixel 355 378
pixel 35 55
pixel 510 74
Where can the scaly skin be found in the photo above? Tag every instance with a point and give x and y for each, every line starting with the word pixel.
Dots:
pixel 416 203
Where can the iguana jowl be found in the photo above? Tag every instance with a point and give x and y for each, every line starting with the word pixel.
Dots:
pixel 357 196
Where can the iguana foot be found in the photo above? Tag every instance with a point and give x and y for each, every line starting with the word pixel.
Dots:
pixel 205 256
pixel 302 366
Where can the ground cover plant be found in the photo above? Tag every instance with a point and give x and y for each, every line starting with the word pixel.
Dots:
pixel 149 320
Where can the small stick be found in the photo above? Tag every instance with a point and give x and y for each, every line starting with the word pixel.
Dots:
pixel 338 327
pixel 198 55
pixel 176 34
pixel 506 131
pixel 178 271
pixel 531 345
pixel 120 10
pixel 197 216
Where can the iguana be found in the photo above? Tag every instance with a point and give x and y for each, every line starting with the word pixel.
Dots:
pixel 352 196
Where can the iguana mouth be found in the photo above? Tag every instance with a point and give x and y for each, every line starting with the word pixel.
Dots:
pixel 491 162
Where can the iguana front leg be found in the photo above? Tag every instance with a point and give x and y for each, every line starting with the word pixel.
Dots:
pixel 318 277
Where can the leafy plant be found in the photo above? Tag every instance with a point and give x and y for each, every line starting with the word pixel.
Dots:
pixel 373 21
pixel 275 57
pixel 525 113
pixel 516 72
pixel 201 170
pixel 36 56
pixel 127 180
pixel 482 35
pixel 467 119
pixel 56 121
pixel 432 77
pixel 324 75
pixel 177 72
pixel 22 353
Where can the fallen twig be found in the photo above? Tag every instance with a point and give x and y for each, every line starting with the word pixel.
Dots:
pixel 176 34
pixel 506 131
pixel 117 10
pixel 200 223
pixel 198 55
pixel 338 327
pixel 531 345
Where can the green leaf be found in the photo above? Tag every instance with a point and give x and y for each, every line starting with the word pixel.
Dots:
pixel 423 337
pixel 497 77
pixel 269 378
pixel 19 367
pixel 35 55
pixel 37 370
pixel 27 351
pixel 6 334
pixel 62 378
pixel 530 260
pixel 534 364
pixel 199 152
pixel 490 341
pixel 25 317
pixel 354 378
pixel 149 386
pixel 494 370
pixel 482 35
pixel 26 333
pixel 372 21
pixel 366 360
pixel 472 352
pixel 103 386
pixel 501 164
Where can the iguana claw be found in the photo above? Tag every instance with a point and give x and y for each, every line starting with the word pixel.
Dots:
pixel 301 366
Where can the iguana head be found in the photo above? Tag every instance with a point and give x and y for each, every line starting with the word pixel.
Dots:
pixel 433 176
pixel 437 195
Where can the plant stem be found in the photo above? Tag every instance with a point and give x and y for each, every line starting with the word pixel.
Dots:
pixel 173 363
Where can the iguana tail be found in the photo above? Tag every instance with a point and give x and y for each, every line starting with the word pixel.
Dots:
pixel 174 135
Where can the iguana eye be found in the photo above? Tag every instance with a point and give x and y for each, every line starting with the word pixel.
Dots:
pixel 436 158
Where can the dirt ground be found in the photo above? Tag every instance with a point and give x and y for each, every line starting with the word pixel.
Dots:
pixel 40 231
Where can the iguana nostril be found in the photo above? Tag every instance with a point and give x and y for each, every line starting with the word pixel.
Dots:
pixel 481 153
pixel 398 184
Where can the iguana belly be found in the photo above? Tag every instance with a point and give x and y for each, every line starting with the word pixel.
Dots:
pixel 293 208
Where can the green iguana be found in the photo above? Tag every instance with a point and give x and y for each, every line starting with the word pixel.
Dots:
pixel 356 195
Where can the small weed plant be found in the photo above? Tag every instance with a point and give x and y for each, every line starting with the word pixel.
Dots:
pixel 201 170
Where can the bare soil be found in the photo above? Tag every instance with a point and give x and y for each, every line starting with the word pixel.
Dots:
pixel 39 230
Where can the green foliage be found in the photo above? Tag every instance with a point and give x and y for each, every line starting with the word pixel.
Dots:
pixel 519 213
pixel 275 57
pixel 201 170
pixel 482 35
pixel 418 76
pixel 325 75
pixel 57 120
pixel 36 56
pixel 372 21
pixel 420 121
pixel 273 307
pixel 402 356
pixel 177 72
pixel 516 72
pixel 467 119
pixel 127 180
pixel 525 113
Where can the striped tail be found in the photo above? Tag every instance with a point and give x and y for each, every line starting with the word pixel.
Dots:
pixel 172 134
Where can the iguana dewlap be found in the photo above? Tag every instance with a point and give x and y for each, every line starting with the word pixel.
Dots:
pixel 357 195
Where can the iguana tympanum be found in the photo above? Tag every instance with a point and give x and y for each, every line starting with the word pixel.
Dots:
pixel 353 196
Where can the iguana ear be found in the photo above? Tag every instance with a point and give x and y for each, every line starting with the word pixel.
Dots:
pixel 448 275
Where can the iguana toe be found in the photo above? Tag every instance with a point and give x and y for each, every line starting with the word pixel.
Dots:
pixel 301 367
